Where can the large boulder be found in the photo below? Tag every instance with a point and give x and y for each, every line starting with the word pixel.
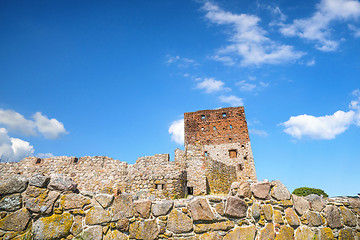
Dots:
pixel 97 215
pixel 55 226
pixel 235 207
pixel 244 190
pixel 162 207
pixel 16 221
pixel 179 222
pixel 122 207
pixel 200 210
pixel 146 230
pixel 61 183
pixel 348 217
pixel 73 201
pixel 301 205
pixel 292 218
pixel 333 217
pixel 261 190
pixel 105 200
pixel 93 233
pixel 39 180
pixel 242 233
pixel 267 233
pixel 15 184
pixel 11 203
pixel 142 208
pixel 304 232
pixel 40 200
pixel 279 191
pixel 317 203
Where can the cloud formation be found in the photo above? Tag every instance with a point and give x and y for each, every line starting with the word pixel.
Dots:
pixel 317 27
pixel 248 40
pixel 176 131
pixel 15 122
pixel 13 149
pixel 324 127
pixel 211 85
pixel 232 100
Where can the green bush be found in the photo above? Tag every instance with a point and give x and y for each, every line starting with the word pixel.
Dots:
pixel 304 191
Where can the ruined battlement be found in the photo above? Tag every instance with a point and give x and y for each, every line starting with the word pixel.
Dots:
pixel 217 152
pixel 212 127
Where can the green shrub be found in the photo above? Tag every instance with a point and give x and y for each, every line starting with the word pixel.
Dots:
pixel 304 191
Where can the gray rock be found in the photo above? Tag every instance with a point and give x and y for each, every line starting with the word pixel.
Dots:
pixel 333 217
pixel 16 221
pixel 200 210
pixel 292 218
pixel 162 207
pixel 73 201
pixel 279 191
pixel 39 180
pixel 105 200
pixel 235 207
pixel 11 203
pixel 314 219
pixel 178 222
pixel 56 226
pixel 261 190
pixel 244 190
pixel 349 218
pixel 317 203
pixel 97 215
pixel 61 183
pixel 122 207
pixel 146 230
pixel 40 200
pixel 301 205
pixel 142 208
pixel 93 233
pixel 234 188
pixel 15 184
pixel 255 209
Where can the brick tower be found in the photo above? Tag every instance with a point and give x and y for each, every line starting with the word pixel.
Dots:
pixel 216 139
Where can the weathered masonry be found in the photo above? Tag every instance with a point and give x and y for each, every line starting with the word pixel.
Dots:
pixel 217 141
pixel 217 153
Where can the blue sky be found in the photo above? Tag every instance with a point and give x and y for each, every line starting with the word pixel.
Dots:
pixel 91 78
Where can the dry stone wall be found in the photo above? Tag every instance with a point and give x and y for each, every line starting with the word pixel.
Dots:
pixel 154 175
pixel 42 207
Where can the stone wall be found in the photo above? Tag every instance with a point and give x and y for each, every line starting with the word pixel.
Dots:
pixel 153 175
pixel 40 207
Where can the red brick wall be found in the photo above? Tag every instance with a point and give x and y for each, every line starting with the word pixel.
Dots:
pixel 199 126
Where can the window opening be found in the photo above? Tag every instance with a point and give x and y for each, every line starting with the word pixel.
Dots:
pixel 206 153
pixel 202 129
pixel 214 128
pixel 118 192
pixel 230 126
pixel 190 190
pixel 230 139
pixel 245 157
pixel 202 116
pixel 38 161
pixel 160 186
pixel 224 114
pixel 232 153
pixel 76 160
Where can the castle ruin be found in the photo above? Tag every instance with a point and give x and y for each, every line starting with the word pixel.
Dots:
pixel 217 153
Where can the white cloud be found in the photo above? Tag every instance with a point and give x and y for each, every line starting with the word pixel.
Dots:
pixel 258 132
pixel 44 155
pixel 180 61
pixel 211 85
pixel 355 30
pixel 311 63
pixel 177 131
pixel 245 86
pixel 15 122
pixel 248 40
pixel 232 100
pixel 13 149
pixel 317 28
pixel 324 127
pixel 50 128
